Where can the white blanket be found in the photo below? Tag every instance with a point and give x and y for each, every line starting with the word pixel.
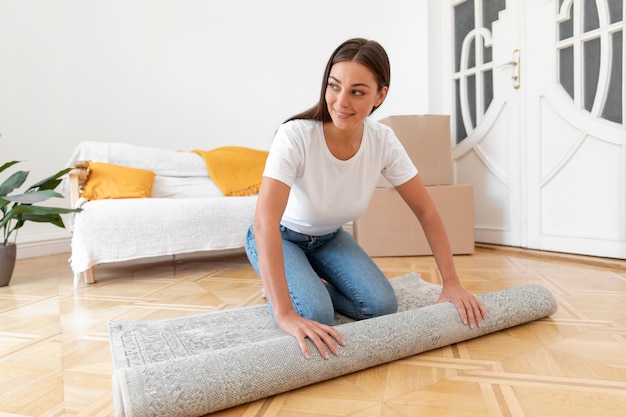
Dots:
pixel 120 230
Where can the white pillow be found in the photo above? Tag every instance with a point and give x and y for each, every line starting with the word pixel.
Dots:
pixel 185 187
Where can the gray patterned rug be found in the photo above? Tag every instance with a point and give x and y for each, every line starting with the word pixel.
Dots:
pixel 196 365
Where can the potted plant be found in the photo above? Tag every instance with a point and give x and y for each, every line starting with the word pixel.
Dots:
pixel 16 209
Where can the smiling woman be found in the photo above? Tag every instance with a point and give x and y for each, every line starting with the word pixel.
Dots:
pixel 352 94
pixel 321 171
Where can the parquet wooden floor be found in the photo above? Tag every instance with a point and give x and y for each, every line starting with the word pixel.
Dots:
pixel 55 359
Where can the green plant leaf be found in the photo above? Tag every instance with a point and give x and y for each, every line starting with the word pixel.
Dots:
pixel 54 219
pixel 14 181
pixel 33 197
pixel 51 182
pixel 40 210
pixel 32 213
pixel 16 210
pixel 8 165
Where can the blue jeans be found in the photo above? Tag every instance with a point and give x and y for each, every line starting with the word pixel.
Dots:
pixel 352 284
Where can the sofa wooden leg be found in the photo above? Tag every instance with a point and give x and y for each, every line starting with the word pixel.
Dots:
pixel 89 276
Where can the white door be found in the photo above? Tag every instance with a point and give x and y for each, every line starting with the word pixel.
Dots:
pixel 536 94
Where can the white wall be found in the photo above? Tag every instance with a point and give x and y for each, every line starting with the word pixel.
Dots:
pixel 180 74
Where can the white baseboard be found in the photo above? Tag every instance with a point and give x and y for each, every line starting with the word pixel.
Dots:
pixel 43 248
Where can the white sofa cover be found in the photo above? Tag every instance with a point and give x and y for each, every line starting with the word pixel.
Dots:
pixel 186 213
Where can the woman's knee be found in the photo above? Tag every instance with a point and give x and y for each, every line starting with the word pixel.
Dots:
pixel 315 311
pixel 384 304
pixel 320 315
pixel 314 304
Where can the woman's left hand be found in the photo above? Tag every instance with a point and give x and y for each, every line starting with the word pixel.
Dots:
pixel 470 309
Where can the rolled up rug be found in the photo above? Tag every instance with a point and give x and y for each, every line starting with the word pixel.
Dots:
pixel 196 365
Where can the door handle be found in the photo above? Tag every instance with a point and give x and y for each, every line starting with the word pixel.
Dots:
pixel 515 63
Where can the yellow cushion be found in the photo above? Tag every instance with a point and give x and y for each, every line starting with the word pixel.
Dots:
pixel 236 170
pixel 115 181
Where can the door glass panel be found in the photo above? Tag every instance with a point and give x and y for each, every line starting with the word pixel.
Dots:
pixel 491 9
pixel 471 55
pixel 591 67
pixel 566 70
pixel 616 10
pixel 488 87
pixel 590 56
pixel 463 24
pixel 471 97
pixel 458 121
pixel 566 29
pixel 590 16
pixel 614 106
pixel 473 78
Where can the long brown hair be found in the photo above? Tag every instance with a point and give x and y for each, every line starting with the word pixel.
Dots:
pixel 365 52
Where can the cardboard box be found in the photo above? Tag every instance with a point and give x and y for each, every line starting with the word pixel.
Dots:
pixel 389 228
pixel 427 141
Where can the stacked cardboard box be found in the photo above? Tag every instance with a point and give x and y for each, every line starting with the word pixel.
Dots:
pixel 389 228
pixel 427 141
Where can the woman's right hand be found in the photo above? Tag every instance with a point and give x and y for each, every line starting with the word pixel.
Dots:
pixel 324 337
pixel 271 205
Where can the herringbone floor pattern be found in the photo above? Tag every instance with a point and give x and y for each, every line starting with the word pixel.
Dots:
pixel 55 360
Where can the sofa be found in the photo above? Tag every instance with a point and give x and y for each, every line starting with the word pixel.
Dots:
pixel 181 210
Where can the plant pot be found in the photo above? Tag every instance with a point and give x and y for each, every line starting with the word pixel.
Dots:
pixel 7 263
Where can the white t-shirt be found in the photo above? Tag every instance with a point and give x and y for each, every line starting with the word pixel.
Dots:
pixel 327 192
